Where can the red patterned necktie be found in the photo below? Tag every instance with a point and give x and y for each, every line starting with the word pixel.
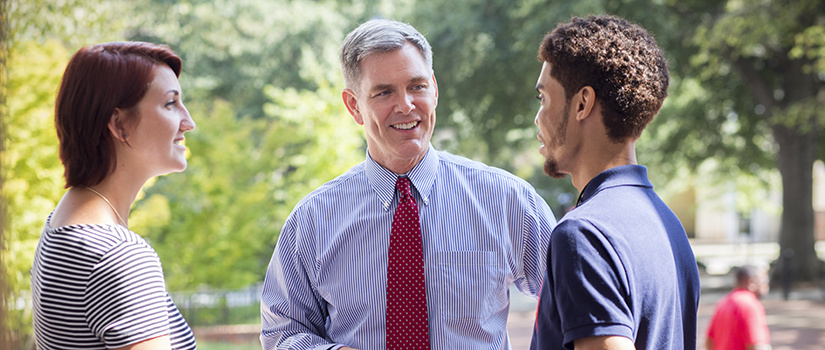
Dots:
pixel 406 294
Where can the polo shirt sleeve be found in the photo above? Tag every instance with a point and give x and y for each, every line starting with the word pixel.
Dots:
pixel 591 289
pixel 126 296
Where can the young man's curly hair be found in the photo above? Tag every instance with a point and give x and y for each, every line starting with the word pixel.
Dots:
pixel 619 60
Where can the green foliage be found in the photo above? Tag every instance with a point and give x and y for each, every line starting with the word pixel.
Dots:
pixel 760 64
pixel 232 49
pixel 484 57
pixel 39 33
pixel 31 170
pixel 262 82
pixel 258 148
pixel 5 332
pixel 809 45
pixel 216 224
pixel 74 23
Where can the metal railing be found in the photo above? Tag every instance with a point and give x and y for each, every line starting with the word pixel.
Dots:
pixel 220 307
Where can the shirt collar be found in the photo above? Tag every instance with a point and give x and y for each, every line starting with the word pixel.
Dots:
pixel 422 177
pixel 625 175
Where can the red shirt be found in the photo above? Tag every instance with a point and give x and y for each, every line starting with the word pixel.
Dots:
pixel 739 321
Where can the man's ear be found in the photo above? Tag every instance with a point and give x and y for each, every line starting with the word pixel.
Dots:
pixel 351 101
pixel 584 101
pixel 117 126
pixel 435 86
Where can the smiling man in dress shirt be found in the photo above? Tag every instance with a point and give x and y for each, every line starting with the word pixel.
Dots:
pixel 481 228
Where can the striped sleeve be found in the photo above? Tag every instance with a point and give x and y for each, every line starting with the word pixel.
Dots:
pixel 532 241
pixel 126 296
pixel 292 314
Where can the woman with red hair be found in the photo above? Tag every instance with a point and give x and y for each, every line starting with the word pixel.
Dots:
pixel 120 121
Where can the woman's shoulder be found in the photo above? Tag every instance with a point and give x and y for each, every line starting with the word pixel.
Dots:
pixel 92 239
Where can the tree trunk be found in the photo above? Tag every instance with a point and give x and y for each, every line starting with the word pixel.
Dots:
pixel 798 145
pixel 797 153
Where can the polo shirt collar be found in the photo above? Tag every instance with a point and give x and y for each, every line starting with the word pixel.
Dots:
pixel 422 177
pixel 625 175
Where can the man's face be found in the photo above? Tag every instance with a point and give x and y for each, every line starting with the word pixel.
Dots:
pixel 395 103
pixel 552 118
pixel 760 285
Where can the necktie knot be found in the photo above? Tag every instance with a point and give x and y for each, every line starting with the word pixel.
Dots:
pixel 403 186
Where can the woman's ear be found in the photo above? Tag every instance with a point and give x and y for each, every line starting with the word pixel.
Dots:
pixel 117 126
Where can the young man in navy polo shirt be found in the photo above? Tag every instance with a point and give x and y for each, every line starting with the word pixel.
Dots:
pixel 620 271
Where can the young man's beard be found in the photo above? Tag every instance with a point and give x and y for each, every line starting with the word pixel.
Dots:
pixel 551 166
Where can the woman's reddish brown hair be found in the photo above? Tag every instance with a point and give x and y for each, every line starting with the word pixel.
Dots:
pixel 97 80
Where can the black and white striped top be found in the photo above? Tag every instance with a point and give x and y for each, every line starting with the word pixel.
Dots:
pixel 99 287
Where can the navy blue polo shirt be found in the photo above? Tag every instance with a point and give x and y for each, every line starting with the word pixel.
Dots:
pixel 619 264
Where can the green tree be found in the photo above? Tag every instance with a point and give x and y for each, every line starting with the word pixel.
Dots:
pixel 746 77
pixel 31 169
pixel 216 224
pixel 233 49
pixel 760 65
pixel 485 60
pixel 39 39
pixel 259 80
pixel 5 333
pixel 484 56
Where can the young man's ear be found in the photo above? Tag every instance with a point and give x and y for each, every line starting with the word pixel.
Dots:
pixel 585 100
pixel 351 101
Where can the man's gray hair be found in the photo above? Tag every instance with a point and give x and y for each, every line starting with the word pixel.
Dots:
pixel 378 36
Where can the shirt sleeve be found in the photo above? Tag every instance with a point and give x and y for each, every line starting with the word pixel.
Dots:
pixel 292 313
pixel 126 296
pixel 756 326
pixel 535 231
pixel 591 290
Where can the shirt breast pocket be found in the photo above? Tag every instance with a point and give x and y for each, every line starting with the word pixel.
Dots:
pixel 469 284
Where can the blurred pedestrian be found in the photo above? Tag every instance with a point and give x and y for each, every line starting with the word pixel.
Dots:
pixel 739 320
pixel 120 121
pixel 621 273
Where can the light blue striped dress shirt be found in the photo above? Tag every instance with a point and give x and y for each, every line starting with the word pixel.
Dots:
pixel 482 228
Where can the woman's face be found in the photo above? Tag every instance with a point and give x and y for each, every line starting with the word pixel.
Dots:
pixel 162 119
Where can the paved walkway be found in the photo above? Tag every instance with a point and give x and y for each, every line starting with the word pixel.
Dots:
pixel 795 324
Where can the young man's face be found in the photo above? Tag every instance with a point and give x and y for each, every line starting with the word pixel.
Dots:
pixel 552 119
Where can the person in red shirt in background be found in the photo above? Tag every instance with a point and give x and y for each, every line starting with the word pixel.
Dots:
pixel 739 319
